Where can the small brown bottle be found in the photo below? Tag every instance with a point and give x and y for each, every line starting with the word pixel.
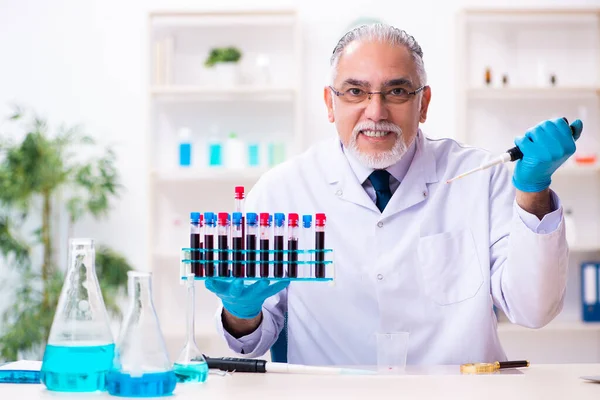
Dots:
pixel 488 76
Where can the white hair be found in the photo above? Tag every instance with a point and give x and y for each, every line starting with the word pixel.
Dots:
pixel 382 33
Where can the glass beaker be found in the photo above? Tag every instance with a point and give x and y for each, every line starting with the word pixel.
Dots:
pixel 190 365
pixel 141 366
pixel 80 346
pixel 392 348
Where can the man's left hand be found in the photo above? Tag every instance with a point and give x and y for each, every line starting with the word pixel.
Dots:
pixel 545 147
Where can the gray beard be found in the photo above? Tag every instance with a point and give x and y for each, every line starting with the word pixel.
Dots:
pixel 379 160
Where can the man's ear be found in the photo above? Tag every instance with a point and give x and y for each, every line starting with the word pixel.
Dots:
pixel 424 104
pixel 329 103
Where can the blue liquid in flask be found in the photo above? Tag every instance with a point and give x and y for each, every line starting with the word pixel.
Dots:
pixel 151 384
pixel 191 373
pixel 76 368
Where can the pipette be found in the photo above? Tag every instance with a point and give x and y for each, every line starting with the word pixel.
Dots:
pixel 513 154
pixel 263 366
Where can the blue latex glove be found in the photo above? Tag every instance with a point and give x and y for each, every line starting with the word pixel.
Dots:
pixel 545 147
pixel 244 301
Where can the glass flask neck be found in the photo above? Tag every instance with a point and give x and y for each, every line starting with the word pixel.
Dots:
pixel 190 310
pixel 82 255
pixel 140 289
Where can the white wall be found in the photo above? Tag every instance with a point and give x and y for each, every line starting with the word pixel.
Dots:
pixel 86 62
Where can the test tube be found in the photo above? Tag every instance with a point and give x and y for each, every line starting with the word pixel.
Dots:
pixel 320 245
pixel 195 245
pixel 264 244
pixel 239 207
pixel 237 245
pixel 292 246
pixel 209 243
pixel 306 239
pixel 251 241
pixel 223 243
pixel 278 245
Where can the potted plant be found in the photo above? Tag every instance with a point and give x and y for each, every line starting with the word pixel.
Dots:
pixel 224 60
pixel 45 180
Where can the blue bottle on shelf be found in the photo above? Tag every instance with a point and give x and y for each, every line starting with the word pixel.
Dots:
pixel 185 147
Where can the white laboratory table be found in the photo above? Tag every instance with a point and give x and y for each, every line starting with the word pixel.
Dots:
pixel 536 382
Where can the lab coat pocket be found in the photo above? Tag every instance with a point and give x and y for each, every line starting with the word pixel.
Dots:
pixel 450 266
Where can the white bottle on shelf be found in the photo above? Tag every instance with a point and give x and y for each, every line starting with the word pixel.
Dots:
pixel 235 152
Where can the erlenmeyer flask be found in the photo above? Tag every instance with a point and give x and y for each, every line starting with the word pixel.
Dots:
pixel 141 367
pixel 190 365
pixel 80 347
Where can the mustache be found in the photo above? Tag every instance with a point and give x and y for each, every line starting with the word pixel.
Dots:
pixel 376 126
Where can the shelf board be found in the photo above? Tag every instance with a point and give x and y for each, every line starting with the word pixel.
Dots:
pixel 532 11
pixel 555 326
pixel 236 93
pixel 585 248
pixel 237 19
pixel 167 254
pixel 533 92
pixel 206 174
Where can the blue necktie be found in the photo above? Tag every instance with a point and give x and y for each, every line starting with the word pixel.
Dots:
pixel 380 179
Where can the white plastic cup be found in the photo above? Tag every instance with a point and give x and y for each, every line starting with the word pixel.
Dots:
pixel 392 348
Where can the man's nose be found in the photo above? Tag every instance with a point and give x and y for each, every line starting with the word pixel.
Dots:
pixel 376 109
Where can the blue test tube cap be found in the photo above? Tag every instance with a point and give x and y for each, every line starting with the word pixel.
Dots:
pixel 195 216
pixel 251 218
pixel 236 218
pixel 209 218
pixel 279 219
pixel 306 221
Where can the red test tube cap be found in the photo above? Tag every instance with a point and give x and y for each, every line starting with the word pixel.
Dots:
pixel 320 219
pixel 223 218
pixel 293 219
pixel 239 192
pixel 264 219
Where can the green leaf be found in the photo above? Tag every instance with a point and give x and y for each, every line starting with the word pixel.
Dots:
pixel 222 55
pixel 41 165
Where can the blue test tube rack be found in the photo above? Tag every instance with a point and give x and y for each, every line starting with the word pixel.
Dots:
pixel 228 260
pixel 306 262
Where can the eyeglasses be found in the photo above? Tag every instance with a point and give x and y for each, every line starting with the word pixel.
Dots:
pixel 394 96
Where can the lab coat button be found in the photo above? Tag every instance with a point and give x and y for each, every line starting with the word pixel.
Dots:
pixel 339 192
pixel 380 224
pixel 379 276
pixel 424 193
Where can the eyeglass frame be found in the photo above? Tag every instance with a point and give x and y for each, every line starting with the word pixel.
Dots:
pixel 414 92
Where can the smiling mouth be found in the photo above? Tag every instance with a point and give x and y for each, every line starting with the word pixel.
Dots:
pixel 375 134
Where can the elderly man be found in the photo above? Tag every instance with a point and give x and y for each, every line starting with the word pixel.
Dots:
pixel 413 254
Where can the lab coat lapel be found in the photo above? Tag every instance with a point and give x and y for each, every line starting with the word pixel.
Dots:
pixel 343 182
pixel 413 189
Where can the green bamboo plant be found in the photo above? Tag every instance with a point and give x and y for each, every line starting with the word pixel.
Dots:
pixel 43 176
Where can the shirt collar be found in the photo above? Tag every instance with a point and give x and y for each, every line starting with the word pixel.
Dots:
pixel 397 170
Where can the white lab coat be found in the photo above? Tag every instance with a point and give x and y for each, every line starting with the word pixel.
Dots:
pixel 433 263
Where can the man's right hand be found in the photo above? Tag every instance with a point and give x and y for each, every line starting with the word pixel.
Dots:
pixel 244 302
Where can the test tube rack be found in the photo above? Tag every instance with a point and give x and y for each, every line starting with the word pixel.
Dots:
pixel 227 258
pixel 305 263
